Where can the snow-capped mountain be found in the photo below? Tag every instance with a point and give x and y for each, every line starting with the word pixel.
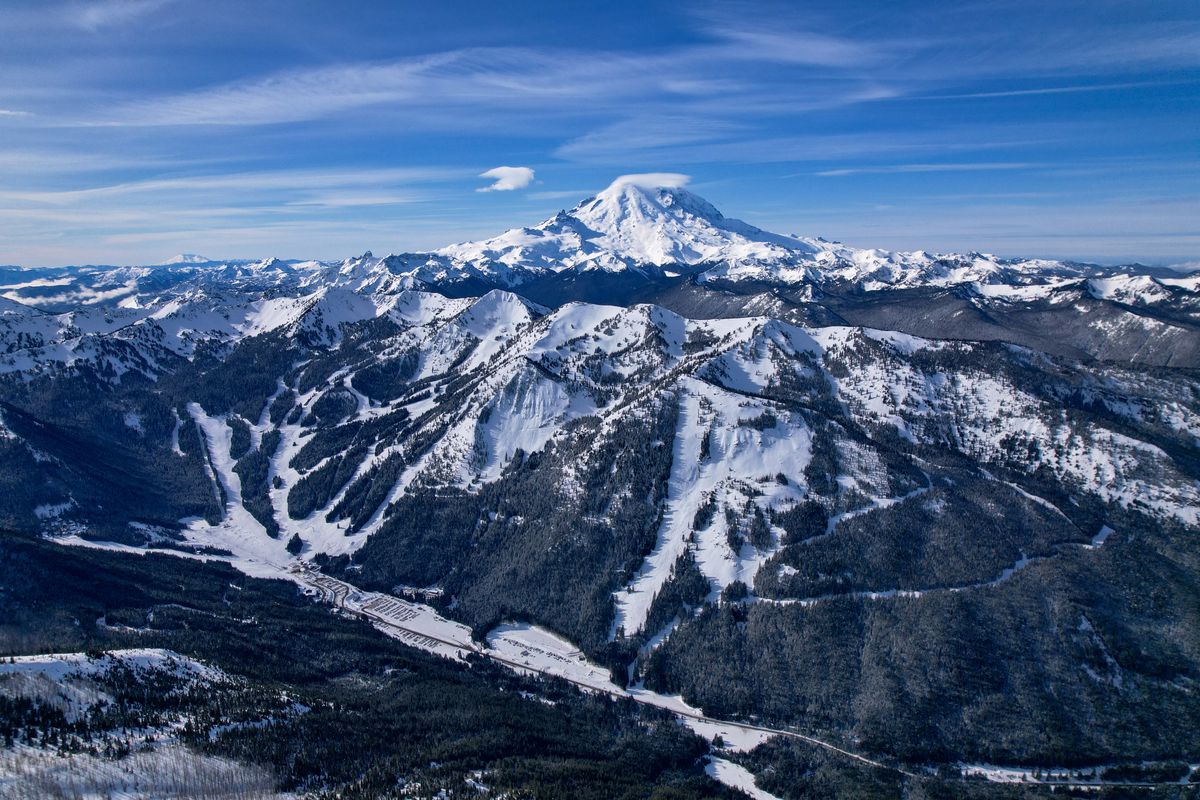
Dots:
pixel 639 221
pixel 696 451
pixel 647 225
pixel 650 222
pixel 645 237
pixel 188 258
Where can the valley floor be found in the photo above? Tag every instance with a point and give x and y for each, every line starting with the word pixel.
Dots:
pixel 531 649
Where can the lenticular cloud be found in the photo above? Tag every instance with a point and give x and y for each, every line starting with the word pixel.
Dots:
pixel 507 178
pixel 654 180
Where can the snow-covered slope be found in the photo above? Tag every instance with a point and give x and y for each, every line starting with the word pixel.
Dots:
pixel 615 472
pixel 455 393
pixel 452 391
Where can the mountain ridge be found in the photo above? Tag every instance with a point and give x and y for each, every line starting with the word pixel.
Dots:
pixel 652 224
pixel 805 502
pixel 646 238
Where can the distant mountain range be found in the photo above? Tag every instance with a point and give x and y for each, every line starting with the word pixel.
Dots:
pixel 638 226
pixel 637 242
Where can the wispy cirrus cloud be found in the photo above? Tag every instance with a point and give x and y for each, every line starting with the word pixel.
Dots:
pixel 680 140
pixel 1109 229
pixel 1051 90
pixel 562 194
pixel 94 16
pixel 897 169
pixel 797 46
pixel 295 212
pixel 259 182
pixel 789 34
pixel 437 88
pixel 356 199
pixel 974 41
pixel 288 96
pixel 657 132
pixel 523 84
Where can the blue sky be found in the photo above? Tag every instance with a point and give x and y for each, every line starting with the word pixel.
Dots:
pixel 131 130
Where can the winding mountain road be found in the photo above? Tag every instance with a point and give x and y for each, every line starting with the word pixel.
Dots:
pixel 338 593
pixel 343 596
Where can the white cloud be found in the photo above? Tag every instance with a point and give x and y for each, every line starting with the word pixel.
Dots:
pixel 507 179
pixel 8 112
pixel 653 180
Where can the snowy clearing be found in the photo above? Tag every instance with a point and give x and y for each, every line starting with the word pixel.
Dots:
pixel 736 776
